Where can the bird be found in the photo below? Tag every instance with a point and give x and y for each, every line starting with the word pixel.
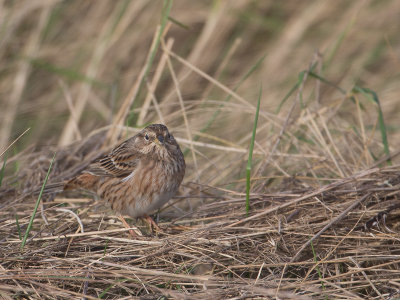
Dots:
pixel 136 177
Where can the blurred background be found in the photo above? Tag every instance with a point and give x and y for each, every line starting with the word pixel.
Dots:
pixel 66 68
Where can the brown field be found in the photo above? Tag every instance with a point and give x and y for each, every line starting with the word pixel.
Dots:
pixel 78 76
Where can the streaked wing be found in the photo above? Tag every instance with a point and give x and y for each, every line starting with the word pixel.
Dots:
pixel 121 162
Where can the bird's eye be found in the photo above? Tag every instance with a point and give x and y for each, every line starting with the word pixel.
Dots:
pixel 146 137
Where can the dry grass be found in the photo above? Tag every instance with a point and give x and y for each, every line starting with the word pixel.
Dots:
pixel 325 190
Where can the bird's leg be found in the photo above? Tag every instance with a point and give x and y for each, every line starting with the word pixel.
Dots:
pixel 131 231
pixel 149 220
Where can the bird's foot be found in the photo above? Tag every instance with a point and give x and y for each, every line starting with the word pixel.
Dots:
pixel 153 225
pixel 133 230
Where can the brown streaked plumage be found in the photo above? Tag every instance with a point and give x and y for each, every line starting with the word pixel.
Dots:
pixel 139 175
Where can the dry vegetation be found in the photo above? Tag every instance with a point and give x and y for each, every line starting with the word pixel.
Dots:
pixel 325 181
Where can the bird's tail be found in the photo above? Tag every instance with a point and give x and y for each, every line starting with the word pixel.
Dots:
pixel 84 181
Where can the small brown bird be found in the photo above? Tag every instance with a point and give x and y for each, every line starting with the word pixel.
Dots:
pixel 138 176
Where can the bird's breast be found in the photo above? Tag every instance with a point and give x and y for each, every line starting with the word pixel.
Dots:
pixel 146 189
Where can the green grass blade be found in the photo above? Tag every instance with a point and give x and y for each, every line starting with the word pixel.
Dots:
pixel 324 80
pixel 373 97
pixel 300 79
pixel 28 229
pixel 180 24
pixel 249 161
pixel 298 83
pixel 3 168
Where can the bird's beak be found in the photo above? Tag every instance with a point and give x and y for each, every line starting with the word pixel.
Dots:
pixel 159 140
